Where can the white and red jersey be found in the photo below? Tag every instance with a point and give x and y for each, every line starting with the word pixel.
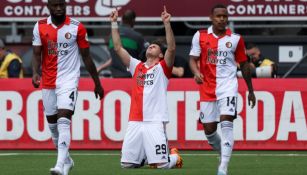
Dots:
pixel 218 58
pixel 60 51
pixel 149 91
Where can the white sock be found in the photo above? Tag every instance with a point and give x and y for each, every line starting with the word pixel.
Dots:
pixel 67 160
pixel 171 164
pixel 227 144
pixel 54 133
pixel 214 140
pixel 64 140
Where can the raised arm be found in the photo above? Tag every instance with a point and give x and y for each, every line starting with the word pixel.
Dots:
pixel 121 52
pixel 247 77
pixel 170 39
pixel 91 68
pixel 36 63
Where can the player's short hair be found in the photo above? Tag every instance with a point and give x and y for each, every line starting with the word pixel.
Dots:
pixel 161 44
pixel 129 16
pixel 218 6
pixel 250 46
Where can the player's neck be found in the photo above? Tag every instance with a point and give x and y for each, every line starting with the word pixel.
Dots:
pixel 219 33
pixel 58 20
pixel 151 61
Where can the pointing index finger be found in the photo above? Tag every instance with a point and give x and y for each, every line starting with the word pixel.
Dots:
pixel 164 8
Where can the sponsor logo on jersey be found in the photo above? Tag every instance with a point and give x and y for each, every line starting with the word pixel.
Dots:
pixel 216 56
pixel 58 49
pixel 145 79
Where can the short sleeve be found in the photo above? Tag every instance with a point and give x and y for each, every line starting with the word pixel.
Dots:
pixel 167 70
pixel 195 47
pixel 240 54
pixel 133 63
pixel 36 40
pixel 82 38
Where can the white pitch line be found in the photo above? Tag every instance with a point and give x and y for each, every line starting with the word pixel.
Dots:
pixel 187 154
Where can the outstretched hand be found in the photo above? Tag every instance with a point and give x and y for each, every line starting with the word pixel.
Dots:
pixel 199 78
pixel 114 16
pixel 166 17
pixel 99 91
pixel 36 80
pixel 251 99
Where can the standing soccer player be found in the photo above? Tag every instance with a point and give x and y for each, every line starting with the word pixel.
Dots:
pixel 218 50
pixel 146 137
pixel 58 42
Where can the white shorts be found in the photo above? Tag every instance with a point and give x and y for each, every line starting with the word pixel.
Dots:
pixel 145 139
pixel 54 99
pixel 211 111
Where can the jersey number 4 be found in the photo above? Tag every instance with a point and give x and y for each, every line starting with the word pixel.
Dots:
pixel 72 96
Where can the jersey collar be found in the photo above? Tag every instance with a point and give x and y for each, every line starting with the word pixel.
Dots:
pixel 210 31
pixel 67 20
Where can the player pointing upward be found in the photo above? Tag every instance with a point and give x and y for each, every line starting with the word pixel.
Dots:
pixel 146 136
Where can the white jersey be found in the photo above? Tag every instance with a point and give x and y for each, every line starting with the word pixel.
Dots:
pixel 218 58
pixel 149 91
pixel 60 51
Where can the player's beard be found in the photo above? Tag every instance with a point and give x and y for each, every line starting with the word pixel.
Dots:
pixel 59 19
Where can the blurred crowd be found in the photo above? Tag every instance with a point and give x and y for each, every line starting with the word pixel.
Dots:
pixel 109 65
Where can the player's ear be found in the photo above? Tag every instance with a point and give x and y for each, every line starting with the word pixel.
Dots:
pixel 161 55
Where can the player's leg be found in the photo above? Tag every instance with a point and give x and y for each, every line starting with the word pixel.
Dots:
pixel 50 110
pixel 64 160
pixel 156 147
pixel 227 108
pixel 66 100
pixel 209 117
pixel 133 154
pixel 53 126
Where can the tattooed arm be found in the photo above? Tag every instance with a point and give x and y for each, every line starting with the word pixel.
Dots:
pixel 247 77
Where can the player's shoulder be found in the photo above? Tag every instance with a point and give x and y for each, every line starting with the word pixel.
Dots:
pixel 236 34
pixel 74 22
pixel 42 21
pixel 203 31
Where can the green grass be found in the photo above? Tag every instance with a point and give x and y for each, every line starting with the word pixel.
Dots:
pixel 195 163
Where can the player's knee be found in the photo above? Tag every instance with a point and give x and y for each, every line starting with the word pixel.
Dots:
pixel 129 165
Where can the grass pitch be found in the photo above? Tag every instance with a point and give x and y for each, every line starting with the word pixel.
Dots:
pixel 195 163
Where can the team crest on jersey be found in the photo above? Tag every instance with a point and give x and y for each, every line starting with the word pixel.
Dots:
pixel 228 44
pixel 68 35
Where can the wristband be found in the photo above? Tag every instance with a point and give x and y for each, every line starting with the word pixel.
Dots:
pixel 114 25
